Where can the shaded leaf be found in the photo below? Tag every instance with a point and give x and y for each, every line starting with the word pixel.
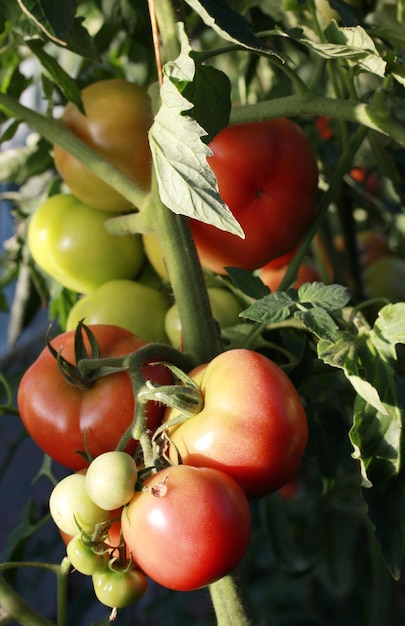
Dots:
pixel 55 19
pixel 229 24
pixel 210 93
pixel 386 510
pixel 248 284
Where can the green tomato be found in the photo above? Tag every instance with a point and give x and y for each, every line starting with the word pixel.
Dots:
pixel 84 559
pixel 118 589
pixel 70 242
pixel 111 478
pixel 70 505
pixel 126 303
pixel 385 278
pixel 155 255
pixel 225 309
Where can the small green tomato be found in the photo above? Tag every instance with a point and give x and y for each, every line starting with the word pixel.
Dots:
pixel 111 478
pixel 71 506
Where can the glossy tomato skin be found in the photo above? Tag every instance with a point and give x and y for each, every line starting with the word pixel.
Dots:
pixel 69 241
pixel 252 426
pixel 60 417
pixel 193 533
pixel 117 118
pixel 139 308
pixel 267 174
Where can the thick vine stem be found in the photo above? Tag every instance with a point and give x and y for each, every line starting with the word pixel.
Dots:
pixel 14 608
pixel 226 599
pixel 350 110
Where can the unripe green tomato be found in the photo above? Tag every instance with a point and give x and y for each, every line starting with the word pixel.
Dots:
pixel 83 558
pixel 327 13
pixel 111 478
pixel 126 303
pixel 385 278
pixel 69 501
pixel 225 309
pixel 155 256
pixel 70 242
pixel 118 589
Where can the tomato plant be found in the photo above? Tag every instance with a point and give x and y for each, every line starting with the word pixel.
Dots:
pixel 115 122
pixel 267 174
pixel 252 426
pixel 111 478
pixel 70 242
pixel 210 540
pixel 118 589
pixel 67 421
pixel 139 308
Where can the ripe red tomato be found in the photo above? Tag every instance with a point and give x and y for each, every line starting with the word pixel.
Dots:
pixel 117 118
pixel 268 175
pixel 252 426
pixel 272 276
pixel 64 419
pixel 189 528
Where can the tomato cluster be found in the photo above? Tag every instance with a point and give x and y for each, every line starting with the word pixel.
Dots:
pixel 119 512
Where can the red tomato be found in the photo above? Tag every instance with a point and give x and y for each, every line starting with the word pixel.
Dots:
pixel 272 276
pixel 252 426
pixel 189 528
pixel 267 174
pixel 64 419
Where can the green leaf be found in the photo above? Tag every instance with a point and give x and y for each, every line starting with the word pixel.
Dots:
pixel 274 308
pixel 386 510
pixel 390 324
pixel 352 354
pixel 377 439
pixel 328 297
pixel 352 44
pixel 64 81
pixel 319 322
pixel 210 93
pixel 187 184
pixel 230 25
pixel 248 284
pixel 55 19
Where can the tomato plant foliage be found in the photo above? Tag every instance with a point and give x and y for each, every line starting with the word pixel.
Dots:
pixel 339 78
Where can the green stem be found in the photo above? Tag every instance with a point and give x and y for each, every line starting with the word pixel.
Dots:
pixel 56 133
pixel 201 337
pixel 226 599
pixel 14 608
pixel 62 585
pixel 310 104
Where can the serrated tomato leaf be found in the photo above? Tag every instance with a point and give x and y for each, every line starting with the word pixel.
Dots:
pixel 187 185
pixel 273 308
pixel 319 322
pixel 328 297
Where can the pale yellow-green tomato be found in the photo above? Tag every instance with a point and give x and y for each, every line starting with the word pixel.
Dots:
pixel 126 303
pixel 327 13
pixel 154 254
pixel 225 309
